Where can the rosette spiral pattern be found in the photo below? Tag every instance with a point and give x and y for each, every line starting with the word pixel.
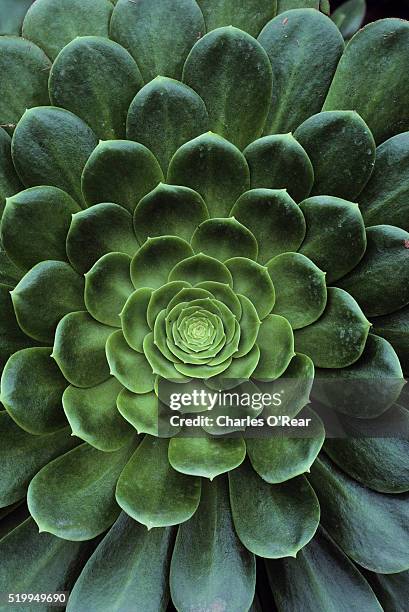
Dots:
pixel 204 194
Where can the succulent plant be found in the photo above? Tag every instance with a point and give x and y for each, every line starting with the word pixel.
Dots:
pixel 200 193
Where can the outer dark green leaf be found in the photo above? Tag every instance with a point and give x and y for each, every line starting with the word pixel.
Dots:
pixel 335 240
pixel 250 16
pixel 349 17
pixel 380 282
pixel 13 12
pixel 224 239
pixel 121 172
pixel 132 369
pixel 24 69
pixel 42 159
pixel 79 349
pixel 79 78
pixel 272 521
pixel 279 458
pixel 141 560
pixel 304 48
pixel 146 413
pixel 30 558
pixel 12 339
pixel 155 260
pixel 286 5
pixel 35 224
pixel 338 338
pixel 164 115
pixel 159 34
pixel 223 574
pixel 169 211
pixel 9 273
pixel 206 456
pixel 280 162
pixel 107 287
pixel 237 94
pixel 53 24
pixel 342 151
pixel 372 528
pixel 44 296
pixel 371 79
pixel 276 343
pixel 93 416
pixel 301 293
pixel 96 231
pixel 213 167
pixel 336 585
pixel 385 197
pixel 31 390
pixel 275 220
pixel 395 328
pixel 9 181
pixel 253 281
pixel 152 492
pixel 23 454
pixel 73 497
pixel 392 590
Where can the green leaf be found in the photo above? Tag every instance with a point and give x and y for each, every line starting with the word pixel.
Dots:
pixel 370 527
pixel 250 16
pixel 368 387
pixel 107 287
pixel 237 94
pixel 41 159
pixel 131 368
pixel 199 581
pixel 160 299
pixel 35 225
pixel 280 162
pixel 392 590
pixel 349 17
pixel 9 273
pixel 31 390
pixel 23 454
pixel 371 68
pixel 223 239
pixel 73 497
pixel 286 5
pixel 304 48
pixel 169 211
pixel 24 72
pixel 160 365
pixel 213 167
pixel 336 585
pixel 276 343
pixel 386 257
pixel 338 338
pixel 249 326
pixel 152 492
pixel 279 458
pixel 49 291
pixel 206 456
pixel 253 281
pixel 358 454
pixel 301 293
pixel 155 260
pixel 146 413
pixel 275 220
pixel 159 35
pixel 342 151
pixel 225 294
pixel 9 181
pixel 21 550
pixel 78 82
pixel 93 416
pixel 96 231
pixel 134 318
pixel 395 329
pixel 272 520
pixel 334 227
pixel 12 339
pixel 13 12
pixel 200 268
pixel 141 560
pixel 52 24
pixel 384 199
pixel 164 115
pixel 79 349
pixel 121 172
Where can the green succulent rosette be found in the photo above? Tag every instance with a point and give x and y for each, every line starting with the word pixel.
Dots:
pixel 199 193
